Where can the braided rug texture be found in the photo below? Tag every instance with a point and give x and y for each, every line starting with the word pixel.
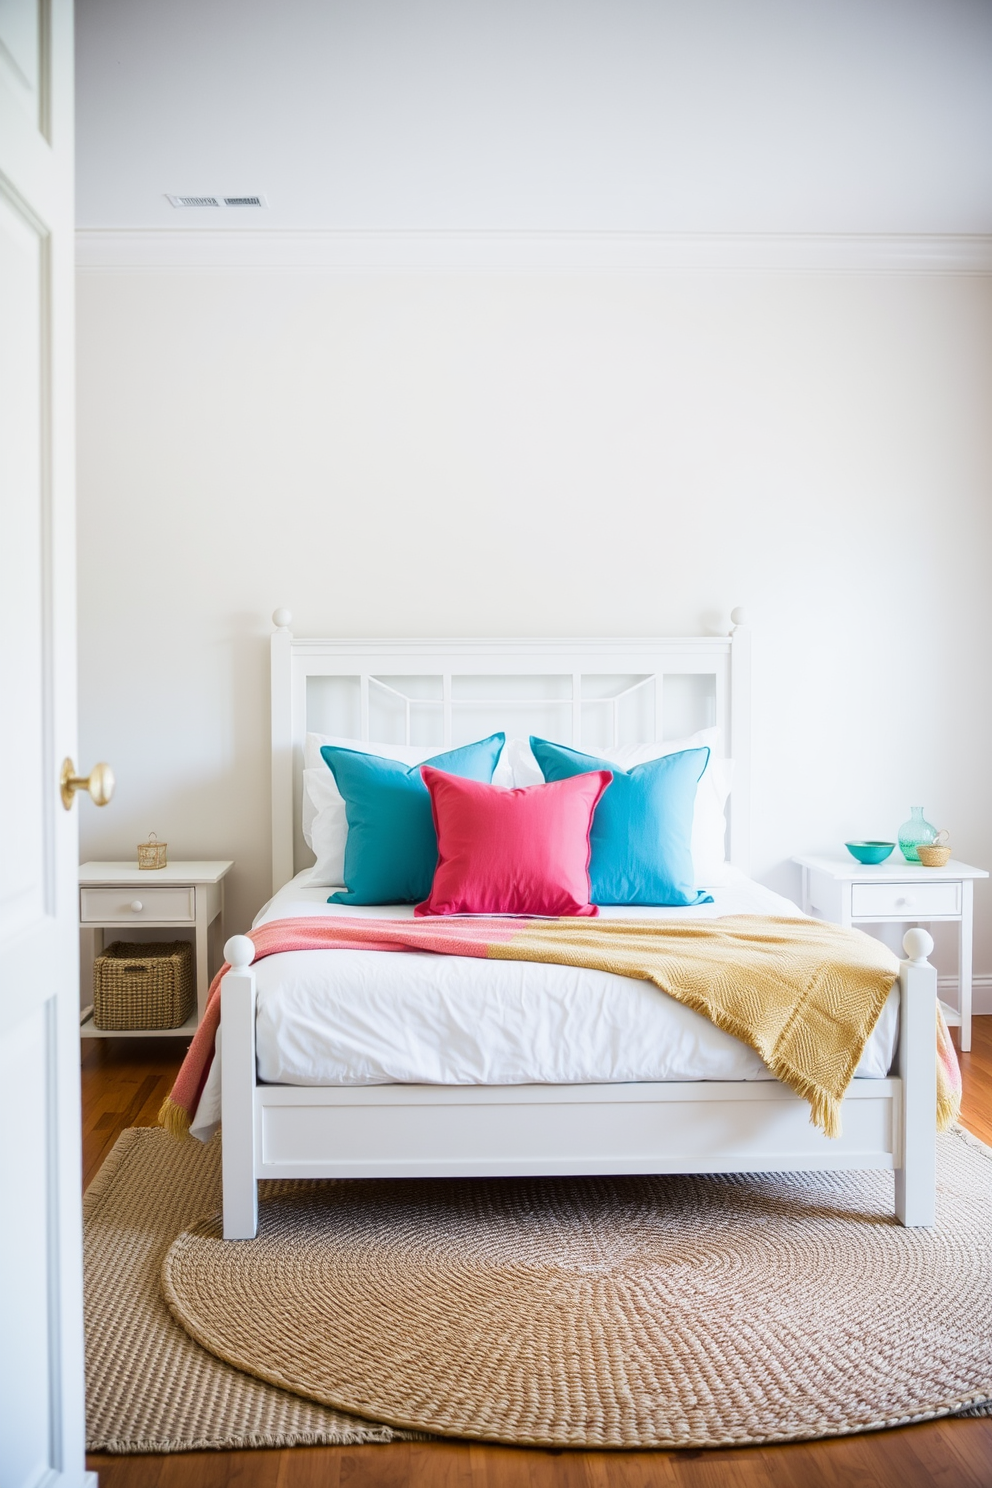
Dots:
pixel 610 1312
pixel 149 1387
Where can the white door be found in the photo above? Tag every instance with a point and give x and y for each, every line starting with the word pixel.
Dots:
pixel 41 1338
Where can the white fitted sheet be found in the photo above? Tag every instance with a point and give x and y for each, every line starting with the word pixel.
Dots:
pixel 371 1018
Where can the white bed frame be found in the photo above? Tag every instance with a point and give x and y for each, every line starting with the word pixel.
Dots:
pixel 279 1131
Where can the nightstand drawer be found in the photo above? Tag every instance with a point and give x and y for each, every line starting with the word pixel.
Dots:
pixel 911 901
pixel 176 905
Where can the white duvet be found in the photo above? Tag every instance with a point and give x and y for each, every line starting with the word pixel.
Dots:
pixel 371 1018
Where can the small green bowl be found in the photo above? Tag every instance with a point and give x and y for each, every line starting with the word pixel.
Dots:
pixel 870 852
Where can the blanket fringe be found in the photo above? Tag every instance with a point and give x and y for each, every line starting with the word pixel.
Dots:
pixel 175 1118
pixel 824 1108
pixel 948 1110
pixel 824 1111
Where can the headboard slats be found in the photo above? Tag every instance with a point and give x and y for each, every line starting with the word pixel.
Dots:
pixel 596 689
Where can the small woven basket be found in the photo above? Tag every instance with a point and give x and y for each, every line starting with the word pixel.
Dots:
pixel 145 985
pixel 933 856
pixel 152 854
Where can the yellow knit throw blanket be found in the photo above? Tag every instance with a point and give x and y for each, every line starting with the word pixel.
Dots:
pixel 803 994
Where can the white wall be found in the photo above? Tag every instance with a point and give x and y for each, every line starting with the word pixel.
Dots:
pixel 659 115
pixel 516 454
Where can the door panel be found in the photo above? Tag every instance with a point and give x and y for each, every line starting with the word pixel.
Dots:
pixel 20 46
pixel 22 746
pixel 26 1400
pixel 41 1363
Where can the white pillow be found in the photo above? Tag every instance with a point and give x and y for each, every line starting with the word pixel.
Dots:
pixel 325 821
pixel 709 822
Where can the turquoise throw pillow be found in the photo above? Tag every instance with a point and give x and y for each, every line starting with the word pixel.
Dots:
pixel 642 831
pixel 391 852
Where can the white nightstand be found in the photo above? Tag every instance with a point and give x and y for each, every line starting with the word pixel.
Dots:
pixel 121 896
pixel 897 892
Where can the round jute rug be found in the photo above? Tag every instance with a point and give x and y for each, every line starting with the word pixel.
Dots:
pixel 609 1312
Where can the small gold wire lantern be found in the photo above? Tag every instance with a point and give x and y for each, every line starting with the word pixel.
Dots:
pixel 936 853
pixel 152 854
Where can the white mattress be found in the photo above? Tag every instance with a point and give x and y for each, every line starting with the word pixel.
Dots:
pixel 371 1018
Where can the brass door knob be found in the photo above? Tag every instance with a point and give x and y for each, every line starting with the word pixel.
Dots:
pixel 99 782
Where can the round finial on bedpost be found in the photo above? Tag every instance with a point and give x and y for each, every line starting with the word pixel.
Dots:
pixel 917 944
pixel 240 952
pixel 282 619
pixel 738 616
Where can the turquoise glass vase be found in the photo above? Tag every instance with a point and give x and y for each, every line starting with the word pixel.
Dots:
pixel 916 832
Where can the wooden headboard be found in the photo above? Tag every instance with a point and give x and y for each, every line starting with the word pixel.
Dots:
pixel 441 693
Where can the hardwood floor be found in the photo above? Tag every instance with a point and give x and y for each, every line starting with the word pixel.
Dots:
pixel 124 1082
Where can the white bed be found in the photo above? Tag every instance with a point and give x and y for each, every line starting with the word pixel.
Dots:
pixel 360 1064
pixel 358 1018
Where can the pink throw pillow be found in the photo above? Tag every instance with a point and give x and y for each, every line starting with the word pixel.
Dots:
pixel 516 852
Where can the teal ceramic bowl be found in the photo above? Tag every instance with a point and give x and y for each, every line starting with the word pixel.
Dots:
pixel 870 852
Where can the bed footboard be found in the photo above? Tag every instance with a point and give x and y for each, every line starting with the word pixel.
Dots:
pixel 698 1127
pixel 916 1176
pixel 237 1021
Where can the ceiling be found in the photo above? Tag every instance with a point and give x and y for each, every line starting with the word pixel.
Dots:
pixel 696 116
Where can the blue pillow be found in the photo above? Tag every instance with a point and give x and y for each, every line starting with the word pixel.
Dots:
pixel 642 831
pixel 391 852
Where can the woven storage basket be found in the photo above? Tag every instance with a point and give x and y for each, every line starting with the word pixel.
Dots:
pixel 933 856
pixel 146 985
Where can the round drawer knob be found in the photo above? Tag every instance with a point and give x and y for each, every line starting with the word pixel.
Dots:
pixel 137 905
pixel 905 901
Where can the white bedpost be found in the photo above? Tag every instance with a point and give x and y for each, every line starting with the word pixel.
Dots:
pixel 916 1179
pixel 237 1021
pixel 738 746
pixel 281 685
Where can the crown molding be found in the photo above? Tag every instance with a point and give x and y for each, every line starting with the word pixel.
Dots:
pixel 357 250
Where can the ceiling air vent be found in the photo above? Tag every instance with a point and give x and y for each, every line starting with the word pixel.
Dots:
pixel 252 199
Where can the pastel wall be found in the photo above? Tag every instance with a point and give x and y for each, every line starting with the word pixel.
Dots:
pixel 522 453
